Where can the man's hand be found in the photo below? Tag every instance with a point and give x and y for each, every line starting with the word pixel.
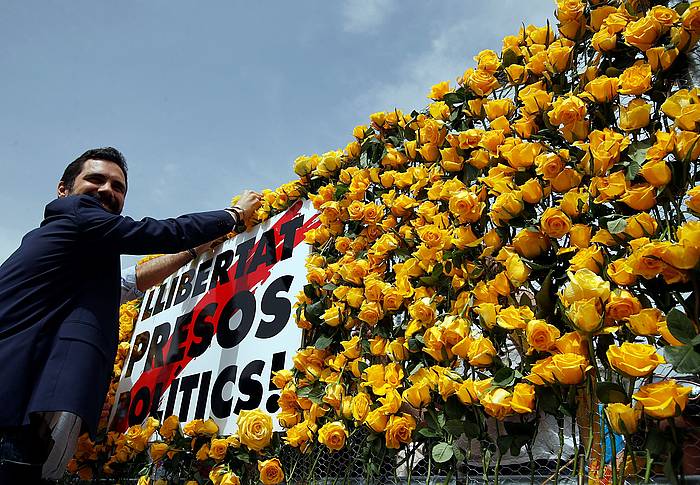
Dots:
pixel 248 204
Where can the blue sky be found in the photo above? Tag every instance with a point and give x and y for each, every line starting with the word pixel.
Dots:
pixel 206 99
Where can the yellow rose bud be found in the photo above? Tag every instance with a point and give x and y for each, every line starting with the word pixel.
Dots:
pixel 439 90
pixel 621 273
pixel 635 115
pixel 333 435
pixel 623 418
pixel 634 360
pixel 523 400
pixel 157 450
pixel 661 58
pixel 270 471
pixel 646 322
pixel 218 448
pixel 640 197
pixel 481 352
pixel 170 426
pixel 532 191
pixel 585 316
pixel 530 243
pixel 603 88
pixel 580 235
pixel 376 420
pixel 497 403
pixel 662 400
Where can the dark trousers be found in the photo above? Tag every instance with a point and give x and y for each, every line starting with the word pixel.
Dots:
pixel 23 451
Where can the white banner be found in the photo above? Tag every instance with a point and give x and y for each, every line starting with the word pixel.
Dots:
pixel 209 337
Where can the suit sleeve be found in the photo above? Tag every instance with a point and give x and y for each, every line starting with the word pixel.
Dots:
pixel 127 236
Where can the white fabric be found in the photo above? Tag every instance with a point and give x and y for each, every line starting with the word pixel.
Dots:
pixel 65 429
pixel 129 289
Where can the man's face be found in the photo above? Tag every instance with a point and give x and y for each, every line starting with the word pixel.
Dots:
pixel 101 179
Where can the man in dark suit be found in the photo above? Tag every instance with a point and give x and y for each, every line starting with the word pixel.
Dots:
pixel 59 302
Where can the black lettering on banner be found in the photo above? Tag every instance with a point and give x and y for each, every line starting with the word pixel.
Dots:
pixel 137 351
pixel 278 360
pixel 265 251
pixel 176 351
pixel 250 387
pixel 203 329
pixel 140 405
pixel 245 302
pixel 148 309
pixel 203 395
pixel 289 231
pixel 200 283
pixel 184 287
pixel 171 293
pixel 220 407
pixel 155 351
pixel 160 300
pixel 242 251
pixel 219 274
pixel 187 385
pixel 155 401
pixel 170 406
pixel 280 307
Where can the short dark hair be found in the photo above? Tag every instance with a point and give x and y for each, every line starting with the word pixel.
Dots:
pixel 108 154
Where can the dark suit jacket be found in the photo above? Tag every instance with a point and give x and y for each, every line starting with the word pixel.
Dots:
pixel 59 303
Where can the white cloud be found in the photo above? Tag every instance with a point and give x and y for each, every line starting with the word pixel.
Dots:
pixel 361 16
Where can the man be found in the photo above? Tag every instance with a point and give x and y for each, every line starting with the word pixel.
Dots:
pixel 59 303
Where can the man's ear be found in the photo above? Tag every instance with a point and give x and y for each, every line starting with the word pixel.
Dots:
pixel 62 190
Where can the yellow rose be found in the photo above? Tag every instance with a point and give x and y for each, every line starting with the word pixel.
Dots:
pixel 640 197
pixel 646 322
pixel 585 315
pixel 662 400
pixel 641 225
pixel 603 88
pixel 621 305
pixel 507 206
pixel 376 420
pixel 157 450
pixel 466 206
pixel 497 403
pixel 399 430
pixel 623 418
pixel 439 90
pixel 170 426
pixel 254 429
pixel 661 58
pixel 532 191
pixel 496 108
pixel 684 107
pixel 567 110
pixel 573 343
pixel 481 82
pixel 197 427
pixel 333 435
pixel 636 79
pixel 218 448
pixel 521 155
pixel 541 335
pixel 580 235
pixel 691 18
pixel 634 360
pixel 535 98
pixel 488 313
pixel 439 110
pixel 621 273
pixel 332 316
pixel 523 400
pixel 687 145
pixel 481 352
pixel 584 285
pixel 575 202
pixel 271 472
pixel 604 40
pixel 555 223
pixel 635 115
pixel 470 391
pixel 569 368
pixel 530 243
pixel 642 33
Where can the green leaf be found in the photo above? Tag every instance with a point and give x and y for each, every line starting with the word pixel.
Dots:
pixel 471 430
pixel 428 433
pixel 684 359
pixel 503 377
pixel 617 226
pixel 329 287
pixel 503 443
pixel 610 392
pixel 632 170
pixel 341 189
pixel 509 57
pixel 442 452
pixel 310 291
pixel 323 342
pixel 544 296
pixel 680 326
pixel 452 99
